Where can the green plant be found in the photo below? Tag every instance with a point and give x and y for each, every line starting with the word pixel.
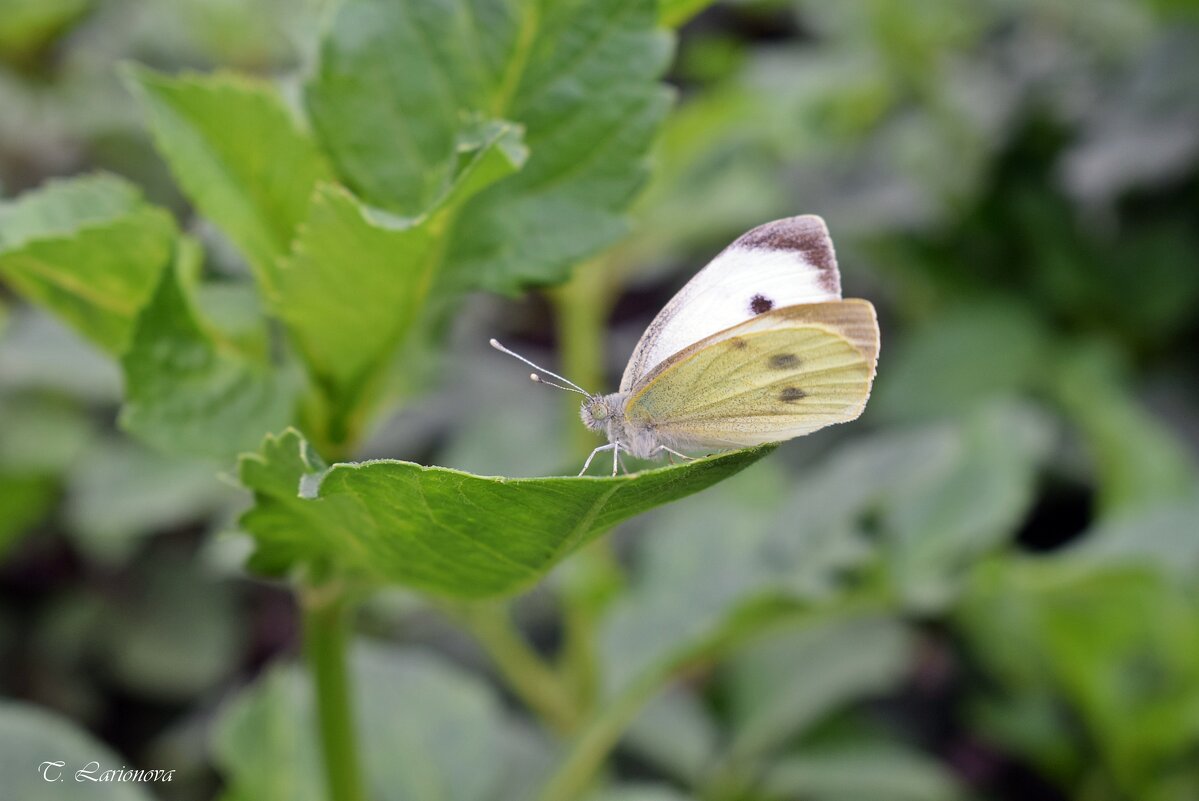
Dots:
pixel 361 236
pixel 865 614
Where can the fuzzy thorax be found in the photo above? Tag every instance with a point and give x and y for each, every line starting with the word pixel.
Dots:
pixel 607 413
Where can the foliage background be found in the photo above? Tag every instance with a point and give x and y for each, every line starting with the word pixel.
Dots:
pixel 986 588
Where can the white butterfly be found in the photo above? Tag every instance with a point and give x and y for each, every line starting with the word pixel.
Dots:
pixel 758 347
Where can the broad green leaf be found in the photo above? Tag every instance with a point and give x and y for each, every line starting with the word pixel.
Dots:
pixel 427 730
pixel 30 736
pixel 1114 643
pixel 233 311
pixel 119 493
pixel 39 439
pixel 674 13
pixel 964 505
pixel 401 86
pixel 785 682
pixel 711 561
pixel 1139 462
pixel 24 500
pixel 348 293
pixel 37 352
pixel 155 639
pixel 1161 536
pixel 41 434
pixel 677 733
pixel 860 771
pixel 936 371
pixel 28 25
pixel 639 792
pixel 89 250
pixel 188 394
pixel 358 279
pixel 715 146
pixel 442 530
pixel 239 154
pixel 704 561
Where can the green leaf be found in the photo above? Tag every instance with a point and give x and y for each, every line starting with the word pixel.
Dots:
pixel 24 500
pixel 40 434
pixel 1112 643
pixel 1161 536
pixel 941 516
pixel 934 372
pixel 706 560
pixel 442 530
pixel 358 279
pixel 30 736
pixel 401 86
pixel 428 729
pixel 844 659
pixel 934 497
pixel 857 771
pixel 1139 462
pixel 37 352
pixel 674 13
pixel 349 292
pixel 28 25
pixel 87 249
pixel 155 639
pixel 677 733
pixel 120 493
pixel 763 537
pixel 40 438
pixel 639 792
pixel 190 395
pixel 238 153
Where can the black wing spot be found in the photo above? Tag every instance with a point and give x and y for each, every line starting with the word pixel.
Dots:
pixel 760 304
pixel 792 394
pixel 783 361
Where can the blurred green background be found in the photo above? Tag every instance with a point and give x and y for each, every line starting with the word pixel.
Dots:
pixel 999 561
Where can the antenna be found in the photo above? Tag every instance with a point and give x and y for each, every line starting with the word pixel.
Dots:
pixel 570 386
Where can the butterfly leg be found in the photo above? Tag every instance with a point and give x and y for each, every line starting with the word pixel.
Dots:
pixel 615 457
pixel 671 453
pixel 600 449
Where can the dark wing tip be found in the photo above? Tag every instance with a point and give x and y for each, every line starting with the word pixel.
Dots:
pixel 807 235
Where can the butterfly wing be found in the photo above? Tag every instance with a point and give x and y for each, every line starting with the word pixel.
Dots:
pixel 783 374
pixel 782 263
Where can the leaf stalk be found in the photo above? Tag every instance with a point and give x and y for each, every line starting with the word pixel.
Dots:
pixel 326 612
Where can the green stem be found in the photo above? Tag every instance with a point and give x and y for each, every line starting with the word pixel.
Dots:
pixel 525 672
pixel 598 739
pixel 609 721
pixel 582 306
pixel 326 635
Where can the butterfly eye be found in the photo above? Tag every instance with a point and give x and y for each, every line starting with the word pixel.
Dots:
pixel 599 411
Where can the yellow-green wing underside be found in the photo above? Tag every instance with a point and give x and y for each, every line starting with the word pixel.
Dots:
pixel 782 374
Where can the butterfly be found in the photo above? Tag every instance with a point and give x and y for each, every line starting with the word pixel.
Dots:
pixel 757 347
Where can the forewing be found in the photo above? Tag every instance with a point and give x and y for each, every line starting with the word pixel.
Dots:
pixel 779 264
pixel 781 375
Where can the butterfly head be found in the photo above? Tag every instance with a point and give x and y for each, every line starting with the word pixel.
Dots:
pixel 598 411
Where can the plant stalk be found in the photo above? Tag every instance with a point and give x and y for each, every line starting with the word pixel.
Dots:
pixel 521 667
pixel 598 739
pixel 609 720
pixel 582 307
pixel 326 613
